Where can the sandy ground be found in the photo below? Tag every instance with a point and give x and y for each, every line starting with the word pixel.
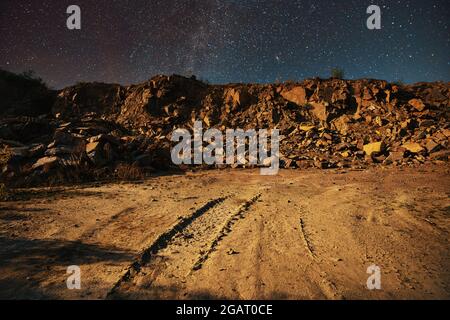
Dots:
pixel 233 234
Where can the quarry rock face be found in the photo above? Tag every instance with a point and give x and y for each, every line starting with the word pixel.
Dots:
pixel 99 98
pixel 94 130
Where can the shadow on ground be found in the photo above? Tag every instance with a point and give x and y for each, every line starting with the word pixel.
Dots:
pixel 22 251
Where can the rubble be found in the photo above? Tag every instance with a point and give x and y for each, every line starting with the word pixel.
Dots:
pixel 45 162
pixel 413 147
pixel 91 129
pixel 373 148
pixel 417 104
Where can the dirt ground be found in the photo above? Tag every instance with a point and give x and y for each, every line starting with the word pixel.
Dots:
pixel 233 234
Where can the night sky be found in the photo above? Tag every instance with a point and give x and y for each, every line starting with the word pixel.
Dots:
pixel 223 41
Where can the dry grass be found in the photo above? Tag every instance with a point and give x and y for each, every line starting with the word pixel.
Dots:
pixel 5 155
pixel 4 193
pixel 126 171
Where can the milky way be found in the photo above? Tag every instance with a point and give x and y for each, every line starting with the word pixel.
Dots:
pixel 129 41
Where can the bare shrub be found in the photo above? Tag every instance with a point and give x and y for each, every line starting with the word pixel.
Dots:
pixel 337 73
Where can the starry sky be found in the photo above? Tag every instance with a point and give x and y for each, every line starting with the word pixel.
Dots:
pixel 222 41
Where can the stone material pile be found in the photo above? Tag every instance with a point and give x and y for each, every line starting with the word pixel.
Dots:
pixel 95 130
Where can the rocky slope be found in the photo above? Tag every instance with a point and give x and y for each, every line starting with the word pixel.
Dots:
pixel 96 130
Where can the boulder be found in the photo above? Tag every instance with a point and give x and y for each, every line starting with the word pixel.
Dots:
pixel 413 147
pixel 93 146
pixel 373 148
pixel 417 104
pixel 341 124
pixel 432 146
pixel 46 161
pixel 320 110
pixel 295 95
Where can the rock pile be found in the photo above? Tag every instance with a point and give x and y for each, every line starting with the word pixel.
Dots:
pixel 82 149
pixel 101 130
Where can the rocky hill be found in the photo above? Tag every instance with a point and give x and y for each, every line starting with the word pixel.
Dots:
pixel 96 130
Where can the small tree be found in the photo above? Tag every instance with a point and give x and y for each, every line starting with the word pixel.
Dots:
pixel 31 76
pixel 337 73
pixel 399 83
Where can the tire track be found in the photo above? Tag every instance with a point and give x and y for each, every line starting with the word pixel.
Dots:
pixel 258 256
pixel 323 282
pixel 162 242
pixel 226 229
pixel 306 241
pixel 164 270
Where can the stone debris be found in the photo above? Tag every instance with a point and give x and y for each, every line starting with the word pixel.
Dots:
pixel 413 147
pixel 92 129
pixel 373 148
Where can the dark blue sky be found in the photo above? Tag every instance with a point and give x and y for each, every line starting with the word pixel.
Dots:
pixel 224 41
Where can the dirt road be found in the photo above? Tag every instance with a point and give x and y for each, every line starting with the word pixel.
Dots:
pixel 233 234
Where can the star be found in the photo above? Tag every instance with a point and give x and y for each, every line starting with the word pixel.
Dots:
pixel 225 41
